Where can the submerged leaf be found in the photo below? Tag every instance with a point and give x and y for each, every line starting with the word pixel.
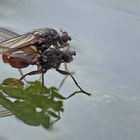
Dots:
pixel 12 82
pixel 57 95
pixel 31 103
pixel 53 114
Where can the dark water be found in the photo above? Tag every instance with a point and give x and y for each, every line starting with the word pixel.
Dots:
pixel 107 64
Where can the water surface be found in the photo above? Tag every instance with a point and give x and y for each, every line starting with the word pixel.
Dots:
pixel 107 64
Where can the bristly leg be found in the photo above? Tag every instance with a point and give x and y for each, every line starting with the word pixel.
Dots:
pixel 21 73
pixel 66 76
pixel 31 73
pixel 68 73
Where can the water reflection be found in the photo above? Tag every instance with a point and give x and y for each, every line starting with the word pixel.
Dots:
pixel 29 105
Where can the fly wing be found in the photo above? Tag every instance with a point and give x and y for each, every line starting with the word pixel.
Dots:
pixel 29 57
pixel 4 112
pixel 16 43
pixel 6 34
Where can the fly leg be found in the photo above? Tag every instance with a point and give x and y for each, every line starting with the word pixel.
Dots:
pixel 68 73
pixel 31 73
pixel 21 73
pixel 40 71
pixel 66 76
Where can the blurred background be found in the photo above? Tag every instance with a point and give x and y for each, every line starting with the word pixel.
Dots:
pixel 106 38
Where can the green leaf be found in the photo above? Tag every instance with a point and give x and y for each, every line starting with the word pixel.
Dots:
pixel 36 88
pixel 17 93
pixel 57 106
pixel 57 95
pixel 53 114
pixel 12 82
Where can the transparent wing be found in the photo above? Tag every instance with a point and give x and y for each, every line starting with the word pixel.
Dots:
pixel 29 56
pixel 4 112
pixel 16 43
pixel 6 34
pixel 8 38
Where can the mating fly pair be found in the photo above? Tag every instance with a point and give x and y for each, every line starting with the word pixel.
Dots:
pixel 45 48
